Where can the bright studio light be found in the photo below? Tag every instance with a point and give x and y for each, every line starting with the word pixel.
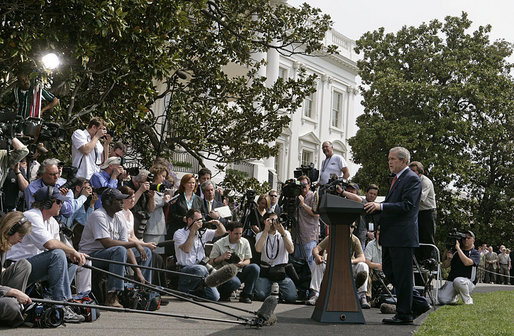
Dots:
pixel 51 61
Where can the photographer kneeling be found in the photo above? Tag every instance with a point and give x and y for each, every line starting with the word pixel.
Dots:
pixel 275 244
pixel 234 249
pixel 190 251
pixel 462 278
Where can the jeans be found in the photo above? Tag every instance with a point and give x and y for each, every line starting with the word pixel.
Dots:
pixel 188 284
pixel 53 266
pixel 248 275
pixel 115 253
pixel 148 262
pixel 286 287
pixel 304 251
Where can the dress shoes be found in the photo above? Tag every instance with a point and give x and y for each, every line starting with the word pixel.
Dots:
pixel 396 320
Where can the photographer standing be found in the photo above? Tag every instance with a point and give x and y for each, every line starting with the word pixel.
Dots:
pixel 306 233
pixel 462 278
pixel 10 159
pixel 190 251
pixel 87 151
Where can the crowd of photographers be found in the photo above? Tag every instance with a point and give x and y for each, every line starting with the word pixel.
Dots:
pixel 105 212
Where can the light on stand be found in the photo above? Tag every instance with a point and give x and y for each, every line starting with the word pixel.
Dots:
pixel 51 61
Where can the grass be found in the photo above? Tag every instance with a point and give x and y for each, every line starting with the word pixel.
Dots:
pixel 492 314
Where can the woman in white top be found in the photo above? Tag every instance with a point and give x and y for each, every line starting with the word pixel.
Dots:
pixel 143 250
pixel 155 230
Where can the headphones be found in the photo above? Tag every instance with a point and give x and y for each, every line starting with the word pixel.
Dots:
pixel 16 226
pixel 47 204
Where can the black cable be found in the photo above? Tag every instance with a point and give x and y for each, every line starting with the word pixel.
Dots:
pixel 180 295
pixel 129 310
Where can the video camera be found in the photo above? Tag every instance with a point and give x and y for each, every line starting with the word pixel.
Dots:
pixel 452 237
pixel 331 186
pixel 288 200
pixel 307 170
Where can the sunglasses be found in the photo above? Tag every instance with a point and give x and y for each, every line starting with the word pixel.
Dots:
pixel 58 201
pixel 353 226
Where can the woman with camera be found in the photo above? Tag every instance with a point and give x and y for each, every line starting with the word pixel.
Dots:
pixel 13 279
pixel 155 230
pixel 184 200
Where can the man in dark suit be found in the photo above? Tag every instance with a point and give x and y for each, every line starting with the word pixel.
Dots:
pixel 399 231
pixel 209 203
pixel 205 175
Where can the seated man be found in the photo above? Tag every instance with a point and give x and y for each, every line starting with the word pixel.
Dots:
pixel 45 252
pixel 107 238
pixel 108 176
pixel 373 256
pixel 50 175
pixel 462 278
pixel 359 267
pixel 190 251
pixel 234 249
pixel 274 244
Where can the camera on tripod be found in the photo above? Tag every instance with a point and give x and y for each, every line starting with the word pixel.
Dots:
pixel 452 238
pixel 307 170
pixel 288 200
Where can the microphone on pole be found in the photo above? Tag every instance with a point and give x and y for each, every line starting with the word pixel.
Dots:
pixel 221 276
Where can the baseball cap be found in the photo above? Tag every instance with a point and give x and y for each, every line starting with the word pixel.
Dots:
pixel 470 233
pixel 113 193
pixel 354 185
pixel 110 161
pixel 44 194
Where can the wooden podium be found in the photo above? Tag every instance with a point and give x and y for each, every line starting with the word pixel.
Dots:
pixel 338 301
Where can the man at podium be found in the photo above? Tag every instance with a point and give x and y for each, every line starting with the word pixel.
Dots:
pixel 399 231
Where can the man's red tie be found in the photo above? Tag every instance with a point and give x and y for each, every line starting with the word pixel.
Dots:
pixel 394 180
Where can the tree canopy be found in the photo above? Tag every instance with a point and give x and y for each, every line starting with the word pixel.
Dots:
pixel 116 52
pixel 447 95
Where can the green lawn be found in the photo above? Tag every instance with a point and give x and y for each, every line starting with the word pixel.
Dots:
pixel 491 314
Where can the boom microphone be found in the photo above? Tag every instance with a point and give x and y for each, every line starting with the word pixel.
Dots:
pixel 266 315
pixel 166 243
pixel 221 276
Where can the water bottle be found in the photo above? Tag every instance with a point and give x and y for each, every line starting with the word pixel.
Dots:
pixel 275 291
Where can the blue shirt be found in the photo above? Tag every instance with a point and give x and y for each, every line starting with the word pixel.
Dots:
pixel 67 206
pixel 100 180
pixel 80 213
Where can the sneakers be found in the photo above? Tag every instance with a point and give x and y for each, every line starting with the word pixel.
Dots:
pixel 360 278
pixel 468 301
pixel 312 300
pixel 71 317
pixel 387 308
pixel 112 300
pixel 244 298
pixel 364 301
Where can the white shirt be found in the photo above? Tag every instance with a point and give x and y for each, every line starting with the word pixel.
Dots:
pixel 126 217
pixel 373 252
pixel 197 252
pixel 33 243
pixel 332 165
pixel 427 200
pixel 87 164
pixel 100 225
pixel 274 251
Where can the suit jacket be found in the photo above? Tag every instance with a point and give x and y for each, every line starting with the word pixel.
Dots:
pixel 215 204
pixel 399 217
pixel 178 209
pixel 217 195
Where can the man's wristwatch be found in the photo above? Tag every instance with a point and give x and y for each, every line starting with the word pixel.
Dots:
pixel 283 235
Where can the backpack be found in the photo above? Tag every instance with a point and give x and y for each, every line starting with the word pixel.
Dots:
pixel 91 314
